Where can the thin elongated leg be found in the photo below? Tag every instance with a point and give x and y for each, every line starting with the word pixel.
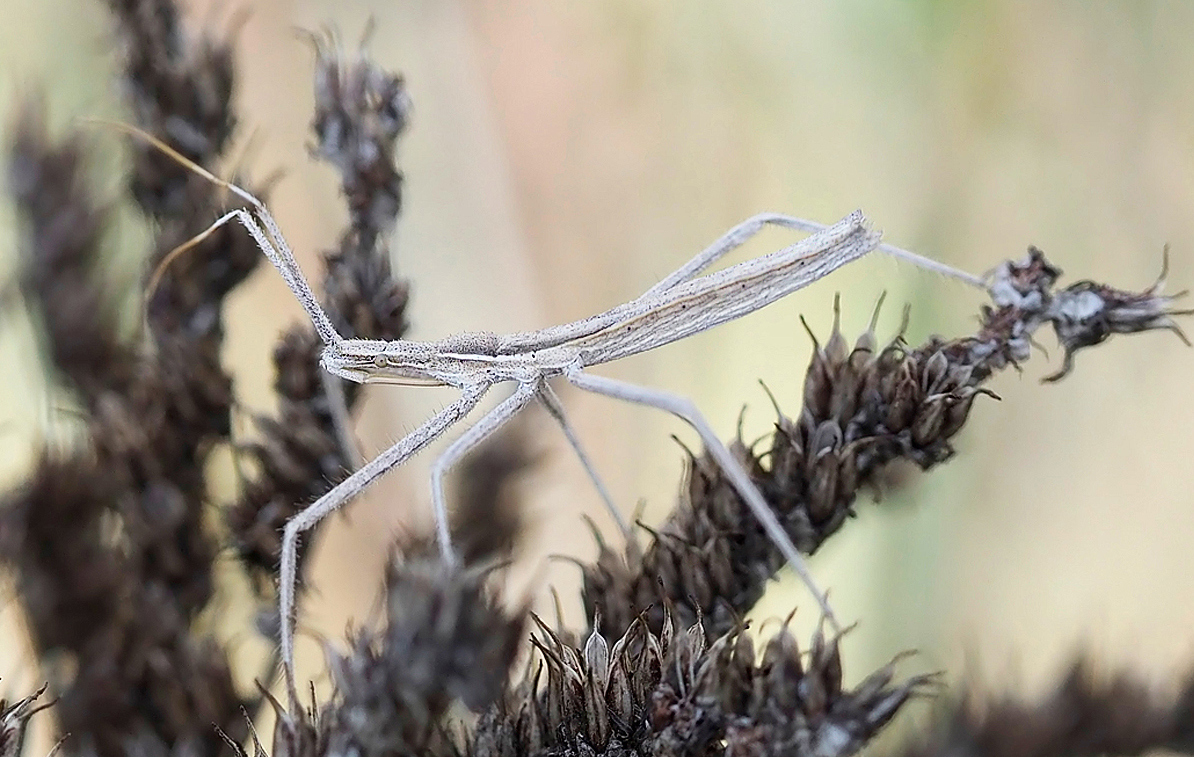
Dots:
pixel 350 487
pixel 476 433
pixel 738 235
pixel 278 251
pixel 683 408
pixel 284 263
pixel 556 409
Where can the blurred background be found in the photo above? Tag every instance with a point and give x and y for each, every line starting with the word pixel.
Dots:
pixel 564 156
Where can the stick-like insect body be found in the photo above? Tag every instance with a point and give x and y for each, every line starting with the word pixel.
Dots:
pixel 681 305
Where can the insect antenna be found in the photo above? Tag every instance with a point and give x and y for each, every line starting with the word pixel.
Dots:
pixel 269 239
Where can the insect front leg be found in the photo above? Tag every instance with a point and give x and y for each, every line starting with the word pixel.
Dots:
pixel 270 239
pixel 333 500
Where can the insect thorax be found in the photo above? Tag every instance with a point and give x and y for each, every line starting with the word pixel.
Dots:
pixel 470 343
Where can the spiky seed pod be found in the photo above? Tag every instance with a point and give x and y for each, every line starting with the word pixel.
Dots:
pixel 864 407
pixel 779 706
pixel 1087 313
pixel 585 699
pixel 14 720
pixel 674 693
pixel 795 707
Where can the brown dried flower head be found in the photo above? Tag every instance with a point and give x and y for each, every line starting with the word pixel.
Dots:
pixel 674 693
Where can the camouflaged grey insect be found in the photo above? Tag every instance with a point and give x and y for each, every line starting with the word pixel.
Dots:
pixel 681 305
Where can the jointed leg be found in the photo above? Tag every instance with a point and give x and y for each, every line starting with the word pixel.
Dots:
pixel 277 251
pixel 475 434
pixel 737 236
pixel 283 261
pixel 340 494
pixel 556 408
pixel 685 409
pixel 730 241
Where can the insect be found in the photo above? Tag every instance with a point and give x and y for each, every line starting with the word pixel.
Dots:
pixel 683 304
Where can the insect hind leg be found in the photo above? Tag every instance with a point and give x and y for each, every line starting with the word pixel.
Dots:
pixel 744 231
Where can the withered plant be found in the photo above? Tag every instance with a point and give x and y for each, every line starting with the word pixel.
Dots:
pixel 111 541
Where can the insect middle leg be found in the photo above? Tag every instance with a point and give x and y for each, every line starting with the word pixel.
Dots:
pixel 555 408
pixel 684 408
pixel 476 433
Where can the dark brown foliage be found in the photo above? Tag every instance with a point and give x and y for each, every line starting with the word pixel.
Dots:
pixel 487 517
pixel 60 236
pixel 864 408
pixel 109 543
pixel 179 88
pixel 14 720
pixel 446 639
pixel 360 112
pixel 360 109
pixel 119 608
pixel 1087 714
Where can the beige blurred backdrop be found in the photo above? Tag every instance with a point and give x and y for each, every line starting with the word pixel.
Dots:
pixel 563 156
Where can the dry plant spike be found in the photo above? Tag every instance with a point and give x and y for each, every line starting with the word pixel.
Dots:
pixel 1087 313
pixel 681 305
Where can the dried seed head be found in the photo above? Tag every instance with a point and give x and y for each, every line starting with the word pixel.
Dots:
pixel 299 455
pixel 865 407
pixel 61 231
pixel 180 87
pixel 447 638
pixel 360 109
pixel 1086 313
pixel 108 543
pixel 487 517
pixel 801 708
pixel 673 693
